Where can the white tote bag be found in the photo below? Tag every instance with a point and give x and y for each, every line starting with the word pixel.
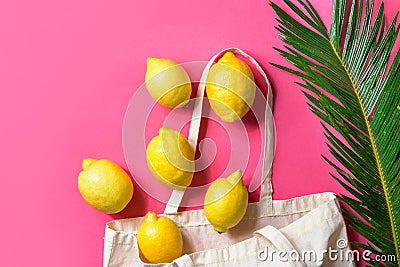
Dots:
pixel 303 231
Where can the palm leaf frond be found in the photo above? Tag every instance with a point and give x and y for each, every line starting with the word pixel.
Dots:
pixel 351 78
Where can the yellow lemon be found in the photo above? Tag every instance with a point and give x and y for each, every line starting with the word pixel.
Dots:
pixel 159 239
pixel 105 185
pixel 226 202
pixel 167 82
pixel 230 88
pixel 170 158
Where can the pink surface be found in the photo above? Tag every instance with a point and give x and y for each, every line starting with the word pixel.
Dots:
pixel 68 70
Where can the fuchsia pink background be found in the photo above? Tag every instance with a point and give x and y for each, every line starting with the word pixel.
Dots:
pixel 68 70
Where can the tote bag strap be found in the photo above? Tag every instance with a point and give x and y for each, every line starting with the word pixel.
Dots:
pixel 184 261
pixel 269 138
pixel 282 244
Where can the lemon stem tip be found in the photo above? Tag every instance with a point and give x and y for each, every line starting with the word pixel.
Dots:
pixel 220 230
pixel 151 216
pixel 235 177
pixel 87 162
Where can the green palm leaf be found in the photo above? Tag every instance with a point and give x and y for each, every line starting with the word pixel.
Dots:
pixel 353 88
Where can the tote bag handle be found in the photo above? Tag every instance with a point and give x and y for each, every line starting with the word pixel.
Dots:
pixel 269 133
